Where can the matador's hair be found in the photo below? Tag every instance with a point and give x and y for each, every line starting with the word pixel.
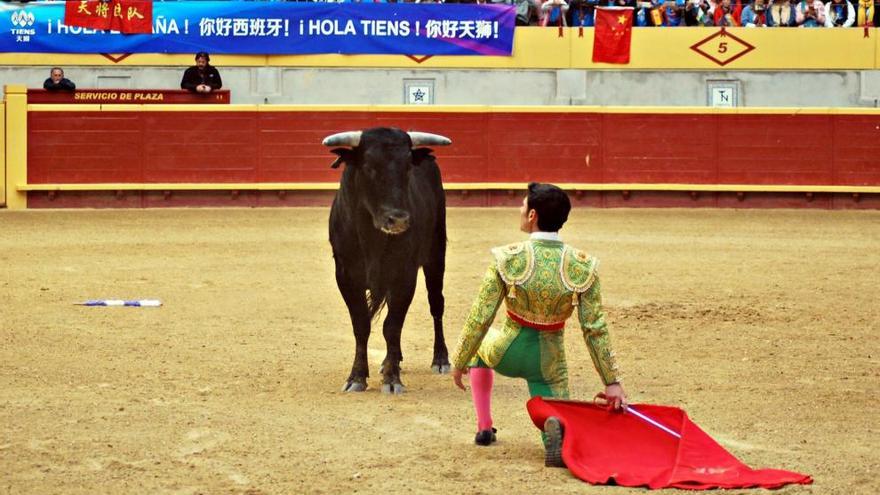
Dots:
pixel 550 203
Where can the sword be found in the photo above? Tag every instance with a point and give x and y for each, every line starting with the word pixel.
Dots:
pixel 631 409
pixel 627 408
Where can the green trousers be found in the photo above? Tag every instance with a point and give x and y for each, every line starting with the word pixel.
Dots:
pixel 523 360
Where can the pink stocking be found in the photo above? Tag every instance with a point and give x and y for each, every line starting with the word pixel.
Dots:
pixel 481 390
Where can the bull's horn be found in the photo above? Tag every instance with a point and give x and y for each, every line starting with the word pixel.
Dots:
pixel 350 138
pixel 428 139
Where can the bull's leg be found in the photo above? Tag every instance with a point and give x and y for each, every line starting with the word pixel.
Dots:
pixel 399 300
pixel 434 284
pixel 356 301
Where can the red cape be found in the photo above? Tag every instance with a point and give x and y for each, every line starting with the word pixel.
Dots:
pixel 603 447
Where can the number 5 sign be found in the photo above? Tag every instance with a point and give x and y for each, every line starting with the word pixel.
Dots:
pixel 722 47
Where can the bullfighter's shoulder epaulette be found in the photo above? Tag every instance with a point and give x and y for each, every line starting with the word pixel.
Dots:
pixel 578 269
pixel 515 263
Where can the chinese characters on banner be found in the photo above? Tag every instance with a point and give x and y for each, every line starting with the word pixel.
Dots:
pixel 125 16
pixel 247 27
pixel 612 35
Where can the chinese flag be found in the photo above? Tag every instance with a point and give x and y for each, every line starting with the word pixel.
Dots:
pixel 613 33
pixel 126 16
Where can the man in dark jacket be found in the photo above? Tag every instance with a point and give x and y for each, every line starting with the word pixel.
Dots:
pixel 57 82
pixel 202 77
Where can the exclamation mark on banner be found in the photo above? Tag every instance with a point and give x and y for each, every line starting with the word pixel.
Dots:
pixel 286 27
pixel 495 29
pixel 418 28
pixel 186 26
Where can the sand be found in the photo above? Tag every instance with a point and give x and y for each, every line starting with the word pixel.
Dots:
pixel 761 324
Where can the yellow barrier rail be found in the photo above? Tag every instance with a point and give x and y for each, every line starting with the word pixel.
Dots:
pixel 452 186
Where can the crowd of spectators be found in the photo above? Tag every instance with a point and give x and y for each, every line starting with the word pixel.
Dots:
pixel 748 13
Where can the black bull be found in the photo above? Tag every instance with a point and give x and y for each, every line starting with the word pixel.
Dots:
pixel 388 219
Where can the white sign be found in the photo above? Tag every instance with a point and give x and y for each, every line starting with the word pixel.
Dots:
pixel 419 92
pixel 723 94
pixel 722 97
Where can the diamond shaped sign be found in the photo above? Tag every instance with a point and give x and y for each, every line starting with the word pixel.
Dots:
pixel 722 47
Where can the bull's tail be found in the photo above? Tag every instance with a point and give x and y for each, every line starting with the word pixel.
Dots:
pixel 376 299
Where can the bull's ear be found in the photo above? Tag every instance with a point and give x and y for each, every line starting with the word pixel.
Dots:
pixel 344 155
pixel 420 154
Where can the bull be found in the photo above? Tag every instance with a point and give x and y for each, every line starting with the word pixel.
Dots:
pixel 388 219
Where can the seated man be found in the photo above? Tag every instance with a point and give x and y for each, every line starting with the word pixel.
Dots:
pixel 57 82
pixel 542 281
pixel 202 77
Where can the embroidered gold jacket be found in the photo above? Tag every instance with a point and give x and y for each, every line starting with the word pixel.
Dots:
pixel 544 282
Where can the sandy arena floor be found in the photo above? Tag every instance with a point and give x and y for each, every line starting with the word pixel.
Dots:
pixel 763 325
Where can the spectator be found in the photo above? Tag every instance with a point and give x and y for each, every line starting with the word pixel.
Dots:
pixel 698 13
pixel 727 13
pixel 754 14
pixel 553 12
pixel 673 13
pixel 202 77
pixel 810 13
pixel 655 13
pixel 57 82
pixel 525 10
pixel 782 14
pixel 582 12
pixel 839 13
pixel 867 13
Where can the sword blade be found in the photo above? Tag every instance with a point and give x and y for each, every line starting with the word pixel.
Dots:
pixel 650 421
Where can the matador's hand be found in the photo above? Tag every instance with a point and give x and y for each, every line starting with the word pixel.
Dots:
pixel 615 396
pixel 456 377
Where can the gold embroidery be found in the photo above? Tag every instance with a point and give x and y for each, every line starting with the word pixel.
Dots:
pixel 482 313
pixel 550 280
pixel 516 264
pixel 578 270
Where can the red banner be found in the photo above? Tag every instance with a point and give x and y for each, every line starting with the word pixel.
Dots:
pixel 126 16
pixel 613 33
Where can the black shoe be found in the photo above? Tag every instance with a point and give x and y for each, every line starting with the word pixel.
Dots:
pixel 553 443
pixel 485 437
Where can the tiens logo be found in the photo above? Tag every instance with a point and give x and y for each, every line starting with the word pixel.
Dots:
pixel 22 19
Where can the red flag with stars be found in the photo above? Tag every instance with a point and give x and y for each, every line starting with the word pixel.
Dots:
pixel 126 16
pixel 613 33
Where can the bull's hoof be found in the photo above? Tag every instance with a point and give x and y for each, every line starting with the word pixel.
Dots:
pixel 393 388
pixel 354 386
pixel 441 369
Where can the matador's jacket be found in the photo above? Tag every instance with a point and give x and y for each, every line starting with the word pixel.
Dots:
pixel 543 282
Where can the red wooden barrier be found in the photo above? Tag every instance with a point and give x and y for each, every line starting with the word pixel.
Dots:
pixel 217 147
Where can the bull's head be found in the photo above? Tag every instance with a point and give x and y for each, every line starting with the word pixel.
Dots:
pixel 382 160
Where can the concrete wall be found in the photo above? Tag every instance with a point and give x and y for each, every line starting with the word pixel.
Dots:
pixel 493 87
